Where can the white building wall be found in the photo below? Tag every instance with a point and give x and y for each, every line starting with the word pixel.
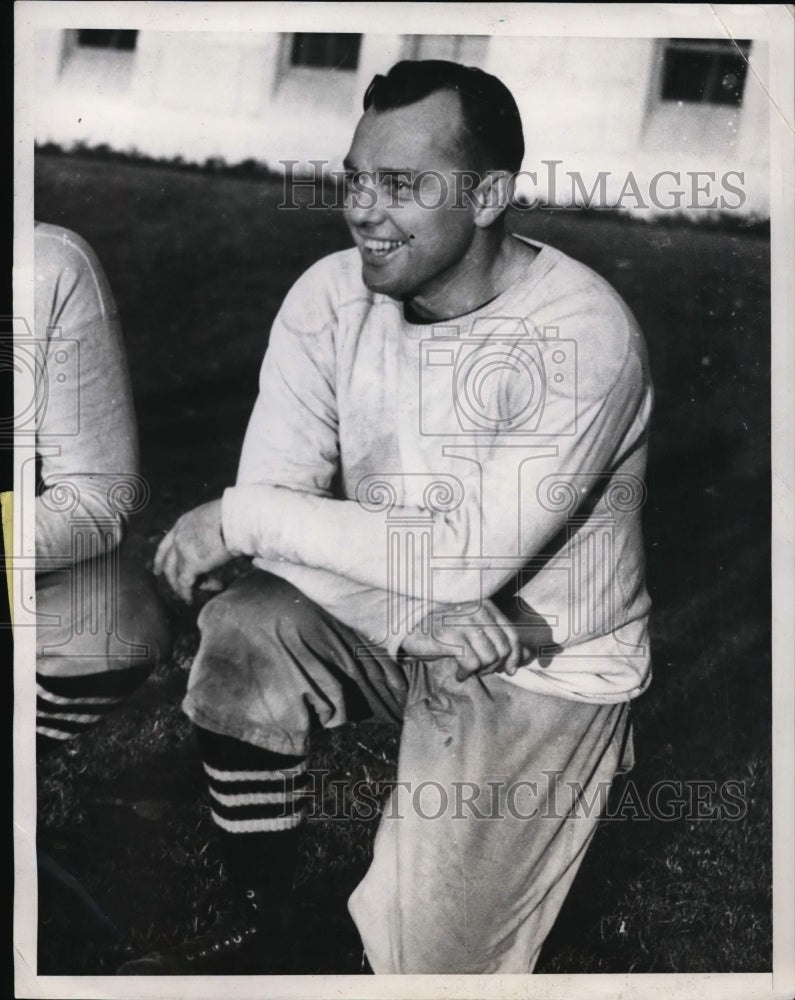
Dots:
pixel 589 103
pixel 594 106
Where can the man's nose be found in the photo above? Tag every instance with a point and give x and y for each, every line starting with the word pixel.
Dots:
pixel 365 203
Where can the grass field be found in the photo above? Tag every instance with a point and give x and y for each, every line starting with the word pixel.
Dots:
pixel 199 265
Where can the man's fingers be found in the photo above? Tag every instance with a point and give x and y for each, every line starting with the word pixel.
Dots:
pixel 501 646
pixel 173 572
pixel 479 652
pixel 495 642
pixel 192 547
pixel 185 575
pixel 185 587
pixel 467 662
pixel 492 646
pixel 171 568
pixel 490 641
pixel 510 634
pixel 505 638
pixel 163 549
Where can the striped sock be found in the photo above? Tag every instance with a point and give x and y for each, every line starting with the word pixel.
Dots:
pixel 67 706
pixel 256 801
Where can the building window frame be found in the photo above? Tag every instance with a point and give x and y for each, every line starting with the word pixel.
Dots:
pixel 120 40
pixel 325 51
pixel 706 71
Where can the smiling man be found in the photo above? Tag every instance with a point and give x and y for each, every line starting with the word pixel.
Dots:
pixel 424 243
pixel 475 576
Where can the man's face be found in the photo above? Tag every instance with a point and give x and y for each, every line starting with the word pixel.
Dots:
pixel 414 244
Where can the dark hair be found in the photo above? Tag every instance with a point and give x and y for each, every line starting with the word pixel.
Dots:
pixel 489 111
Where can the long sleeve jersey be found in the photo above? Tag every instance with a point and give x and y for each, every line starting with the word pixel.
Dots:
pixel 86 439
pixel 501 450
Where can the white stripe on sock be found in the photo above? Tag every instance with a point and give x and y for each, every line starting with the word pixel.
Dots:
pixel 257 825
pixel 55 734
pixel 57 699
pixel 70 717
pixel 257 798
pixel 283 775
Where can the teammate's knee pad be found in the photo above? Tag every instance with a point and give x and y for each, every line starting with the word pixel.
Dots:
pixel 100 616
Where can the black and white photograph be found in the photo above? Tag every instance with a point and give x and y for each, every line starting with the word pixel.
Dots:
pixel 401 556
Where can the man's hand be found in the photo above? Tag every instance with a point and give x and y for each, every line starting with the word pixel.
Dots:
pixel 194 546
pixel 490 641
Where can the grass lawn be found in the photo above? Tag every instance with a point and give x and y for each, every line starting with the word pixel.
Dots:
pixel 199 264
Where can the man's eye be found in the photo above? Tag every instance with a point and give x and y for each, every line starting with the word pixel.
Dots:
pixel 399 185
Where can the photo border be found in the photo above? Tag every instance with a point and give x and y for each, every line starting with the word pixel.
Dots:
pixel 772 23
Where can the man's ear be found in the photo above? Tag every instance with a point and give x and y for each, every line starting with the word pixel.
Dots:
pixel 491 197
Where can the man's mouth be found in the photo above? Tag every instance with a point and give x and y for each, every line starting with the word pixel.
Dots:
pixel 381 248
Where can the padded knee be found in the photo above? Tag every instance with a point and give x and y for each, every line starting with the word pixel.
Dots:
pixel 100 616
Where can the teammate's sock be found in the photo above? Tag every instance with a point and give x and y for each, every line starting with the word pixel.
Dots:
pixel 67 706
pixel 255 800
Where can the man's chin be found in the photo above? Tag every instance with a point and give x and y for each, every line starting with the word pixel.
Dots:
pixel 378 282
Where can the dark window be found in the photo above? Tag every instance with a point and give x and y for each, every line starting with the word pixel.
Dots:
pixel 107 38
pixel 704 70
pixel 326 51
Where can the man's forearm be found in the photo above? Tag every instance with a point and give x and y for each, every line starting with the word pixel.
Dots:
pixel 340 536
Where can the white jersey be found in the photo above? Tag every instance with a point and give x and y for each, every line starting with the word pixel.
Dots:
pixel 498 452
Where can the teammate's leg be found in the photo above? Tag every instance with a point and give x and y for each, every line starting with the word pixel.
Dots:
pixel 102 629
